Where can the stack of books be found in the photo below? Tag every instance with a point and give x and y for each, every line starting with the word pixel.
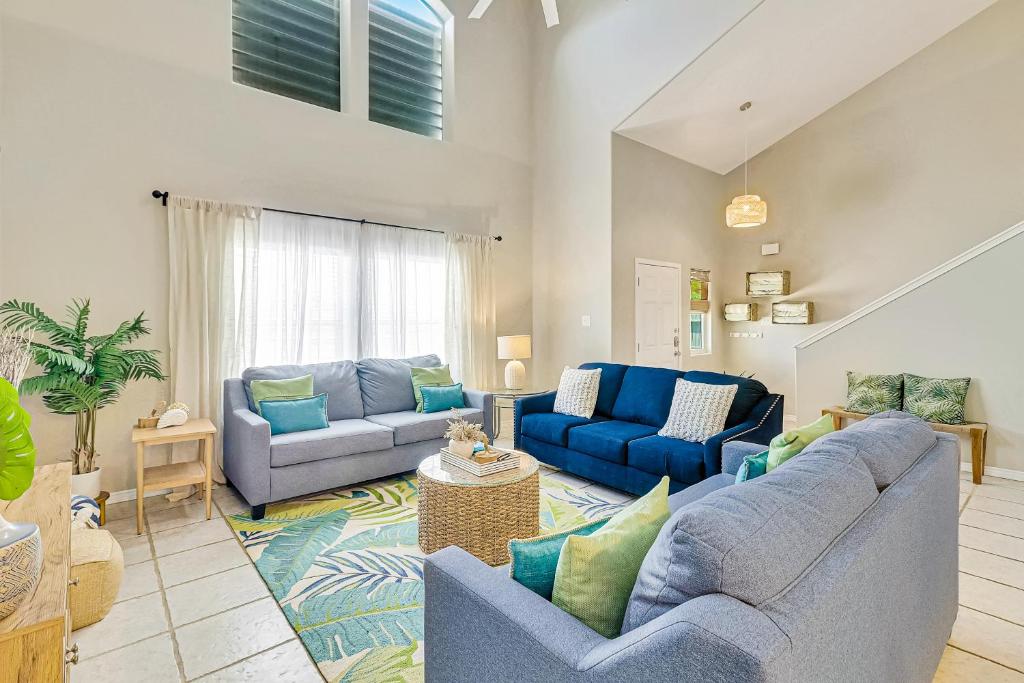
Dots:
pixel 493 461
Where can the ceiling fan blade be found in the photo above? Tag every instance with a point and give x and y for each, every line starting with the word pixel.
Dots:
pixel 481 7
pixel 550 12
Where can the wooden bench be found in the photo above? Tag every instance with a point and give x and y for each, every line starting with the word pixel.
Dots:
pixel 977 431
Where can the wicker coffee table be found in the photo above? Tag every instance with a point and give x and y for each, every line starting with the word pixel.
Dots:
pixel 478 514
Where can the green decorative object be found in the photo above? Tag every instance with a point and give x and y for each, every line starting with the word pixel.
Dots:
pixel 936 400
pixel 789 444
pixel 21 546
pixel 534 560
pixel 753 467
pixel 81 373
pixel 596 573
pixel 873 393
pixel 280 390
pixel 429 377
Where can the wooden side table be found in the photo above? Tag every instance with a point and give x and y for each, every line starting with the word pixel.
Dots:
pixel 179 473
pixel 977 431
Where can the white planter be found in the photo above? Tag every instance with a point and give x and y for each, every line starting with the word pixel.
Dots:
pixel 463 449
pixel 86 484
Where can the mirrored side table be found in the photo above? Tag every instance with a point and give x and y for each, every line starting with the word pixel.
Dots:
pixel 506 398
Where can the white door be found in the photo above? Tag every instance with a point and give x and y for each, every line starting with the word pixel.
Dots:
pixel 657 314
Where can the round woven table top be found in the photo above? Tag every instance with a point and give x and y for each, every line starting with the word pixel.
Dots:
pixel 449 475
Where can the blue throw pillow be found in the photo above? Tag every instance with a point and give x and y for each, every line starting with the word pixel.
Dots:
pixel 753 466
pixel 436 399
pixel 295 415
pixel 534 560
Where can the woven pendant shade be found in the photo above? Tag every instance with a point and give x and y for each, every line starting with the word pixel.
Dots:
pixel 746 211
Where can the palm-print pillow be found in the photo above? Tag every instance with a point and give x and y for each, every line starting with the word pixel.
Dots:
pixel 936 400
pixel 873 393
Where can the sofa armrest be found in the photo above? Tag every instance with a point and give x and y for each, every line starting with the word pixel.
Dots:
pixel 734 452
pixel 531 639
pixel 761 426
pixel 541 403
pixel 484 401
pixel 246 446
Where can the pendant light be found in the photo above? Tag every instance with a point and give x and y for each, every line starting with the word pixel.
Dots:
pixel 746 210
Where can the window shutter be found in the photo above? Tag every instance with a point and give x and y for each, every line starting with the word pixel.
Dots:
pixel 289 47
pixel 406 40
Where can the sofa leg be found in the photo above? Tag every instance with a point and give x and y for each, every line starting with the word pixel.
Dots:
pixel 258 511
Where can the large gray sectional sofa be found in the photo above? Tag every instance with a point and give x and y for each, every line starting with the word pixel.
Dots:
pixel 374 429
pixel 841 565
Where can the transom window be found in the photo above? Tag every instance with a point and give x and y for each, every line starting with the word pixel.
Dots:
pixel 406 70
pixel 700 308
pixel 289 47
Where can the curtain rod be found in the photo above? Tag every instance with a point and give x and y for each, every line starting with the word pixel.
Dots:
pixel 162 196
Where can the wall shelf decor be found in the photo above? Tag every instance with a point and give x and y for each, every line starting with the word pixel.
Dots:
pixel 735 313
pixel 792 313
pixel 774 283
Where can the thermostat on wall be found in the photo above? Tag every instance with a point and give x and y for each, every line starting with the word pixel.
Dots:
pixel 770 249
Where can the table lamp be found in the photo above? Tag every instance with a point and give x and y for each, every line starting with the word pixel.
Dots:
pixel 515 347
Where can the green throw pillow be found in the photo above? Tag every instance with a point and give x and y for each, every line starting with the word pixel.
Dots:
pixel 534 560
pixel 753 466
pixel 936 400
pixel 788 444
pixel 873 393
pixel 280 389
pixel 429 377
pixel 596 573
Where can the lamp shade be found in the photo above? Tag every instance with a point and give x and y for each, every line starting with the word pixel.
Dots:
pixel 516 346
pixel 746 211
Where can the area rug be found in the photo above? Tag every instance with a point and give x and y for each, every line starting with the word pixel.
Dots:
pixel 348 573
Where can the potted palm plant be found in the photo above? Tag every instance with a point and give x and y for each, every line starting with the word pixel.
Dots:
pixel 81 373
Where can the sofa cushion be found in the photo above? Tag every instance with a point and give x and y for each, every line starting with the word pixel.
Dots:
pixel 748 392
pixel 888 443
pixel 338 380
pixel 607 440
pixel 661 455
pixel 342 437
pixel 611 382
pixel 412 427
pixel 386 383
pixel 724 542
pixel 553 428
pixel 646 395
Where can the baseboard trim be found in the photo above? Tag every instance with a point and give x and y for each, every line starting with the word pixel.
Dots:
pixel 1000 472
pixel 129 494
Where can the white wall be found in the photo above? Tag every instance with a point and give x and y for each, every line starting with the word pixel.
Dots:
pixel 963 324
pixel 104 101
pixel 667 210
pixel 915 168
pixel 605 58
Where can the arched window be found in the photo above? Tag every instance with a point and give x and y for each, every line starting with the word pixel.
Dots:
pixel 406 65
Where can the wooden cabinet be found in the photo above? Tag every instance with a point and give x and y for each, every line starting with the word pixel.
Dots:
pixel 34 641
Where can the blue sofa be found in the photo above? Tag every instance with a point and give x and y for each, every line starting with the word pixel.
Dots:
pixel 839 566
pixel 620 447
pixel 374 429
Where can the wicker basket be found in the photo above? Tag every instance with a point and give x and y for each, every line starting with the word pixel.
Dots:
pixel 480 518
pixel 97 565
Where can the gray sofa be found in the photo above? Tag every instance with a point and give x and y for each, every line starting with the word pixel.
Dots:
pixel 839 566
pixel 374 430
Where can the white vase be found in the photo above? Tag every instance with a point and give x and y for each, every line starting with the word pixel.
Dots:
pixel 21 563
pixel 463 449
pixel 87 484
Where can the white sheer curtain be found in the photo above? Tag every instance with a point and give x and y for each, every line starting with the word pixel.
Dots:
pixel 470 342
pixel 212 263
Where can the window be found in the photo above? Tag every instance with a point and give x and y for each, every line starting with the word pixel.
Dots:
pixel 700 307
pixel 406 45
pixel 289 47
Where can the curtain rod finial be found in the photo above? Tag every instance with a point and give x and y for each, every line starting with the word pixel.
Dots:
pixel 162 196
pixel 497 238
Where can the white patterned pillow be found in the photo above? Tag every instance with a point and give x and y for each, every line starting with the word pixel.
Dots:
pixel 698 410
pixel 577 392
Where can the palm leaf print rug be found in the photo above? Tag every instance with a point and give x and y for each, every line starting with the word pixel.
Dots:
pixel 348 573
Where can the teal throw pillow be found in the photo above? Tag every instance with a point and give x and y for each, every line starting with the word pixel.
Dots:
pixel 295 415
pixel 534 560
pixel 753 466
pixel 436 399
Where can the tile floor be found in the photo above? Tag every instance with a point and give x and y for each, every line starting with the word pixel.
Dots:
pixel 192 606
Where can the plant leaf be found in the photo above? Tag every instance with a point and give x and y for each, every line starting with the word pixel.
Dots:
pixel 17 452
pixel 290 554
